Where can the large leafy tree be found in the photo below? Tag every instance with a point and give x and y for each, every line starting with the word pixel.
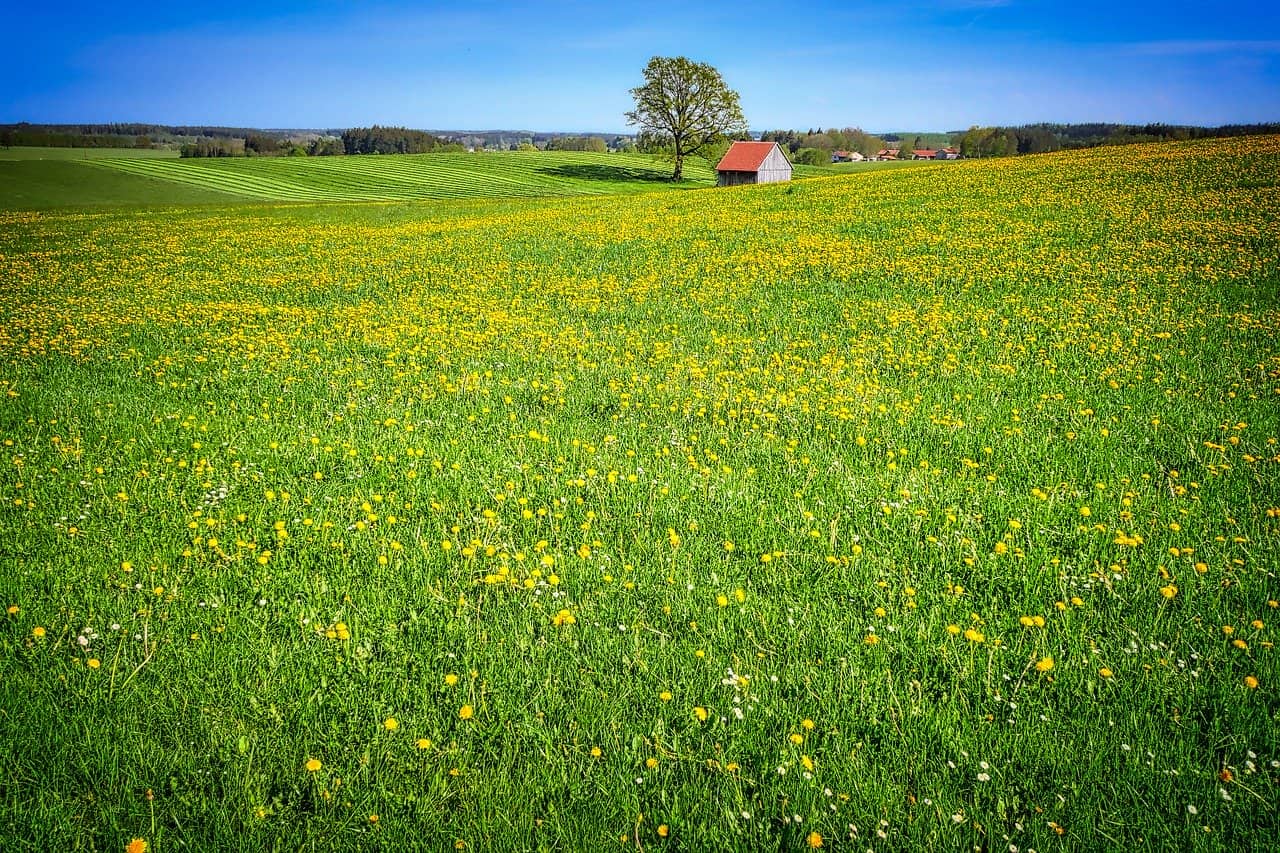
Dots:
pixel 687 105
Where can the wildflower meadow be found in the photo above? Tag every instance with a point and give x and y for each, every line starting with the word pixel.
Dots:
pixel 932 508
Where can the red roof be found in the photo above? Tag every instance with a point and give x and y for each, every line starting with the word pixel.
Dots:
pixel 745 156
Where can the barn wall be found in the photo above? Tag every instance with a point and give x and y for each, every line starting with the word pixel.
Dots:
pixel 775 168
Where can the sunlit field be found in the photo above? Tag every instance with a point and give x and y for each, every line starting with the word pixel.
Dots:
pixel 421 176
pixel 929 508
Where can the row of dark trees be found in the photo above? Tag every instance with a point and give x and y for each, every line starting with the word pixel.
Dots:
pixel 225 147
pixel 577 143
pixel 38 138
pixel 393 140
pixel 825 141
pixel 1046 137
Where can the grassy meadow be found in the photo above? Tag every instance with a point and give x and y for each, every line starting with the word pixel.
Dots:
pixel 930 508
pixel 420 176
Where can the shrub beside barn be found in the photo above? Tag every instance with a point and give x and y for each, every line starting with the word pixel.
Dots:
pixel 753 163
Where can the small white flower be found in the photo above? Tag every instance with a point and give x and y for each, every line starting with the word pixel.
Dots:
pixel 1192 810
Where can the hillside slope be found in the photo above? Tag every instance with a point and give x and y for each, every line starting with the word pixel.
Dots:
pixel 420 176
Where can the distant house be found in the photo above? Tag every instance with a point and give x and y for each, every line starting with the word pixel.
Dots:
pixel 948 153
pixel 924 154
pixel 753 163
pixel 846 156
pixel 887 154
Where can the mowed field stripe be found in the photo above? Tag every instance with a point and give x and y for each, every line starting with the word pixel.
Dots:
pixel 421 176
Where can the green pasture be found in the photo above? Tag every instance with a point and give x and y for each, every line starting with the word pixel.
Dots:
pixel 421 176
pixel 30 152
pixel 32 181
pixel 920 509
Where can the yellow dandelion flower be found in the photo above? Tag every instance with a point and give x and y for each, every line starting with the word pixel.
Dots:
pixel 423 743
pixel 1044 664
pixel 37 632
pixel 93 663
pixel 1105 672
pixel 973 635
pixel 663 830
pixel 390 724
pixel 814 839
pixel 1169 591
pixel 137 845
pixel 807 724
pixel 466 712
pixel 596 752
pixel 313 764
pixel 651 762
pixel 451 679
pixel 701 713
pixel 665 696
pixel 796 738
pixel 1251 682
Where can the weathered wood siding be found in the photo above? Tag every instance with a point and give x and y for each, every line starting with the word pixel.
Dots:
pixel 775 168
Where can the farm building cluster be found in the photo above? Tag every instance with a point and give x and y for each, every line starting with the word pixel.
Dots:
pixel 948 153
pixel 766 163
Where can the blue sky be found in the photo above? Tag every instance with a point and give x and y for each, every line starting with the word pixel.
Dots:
pixel 569 66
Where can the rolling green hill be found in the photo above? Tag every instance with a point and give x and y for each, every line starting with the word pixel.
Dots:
pixel 421 176
pixel 32 152
pixel 113 177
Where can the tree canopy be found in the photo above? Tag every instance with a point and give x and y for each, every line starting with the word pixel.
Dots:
pixel 686 105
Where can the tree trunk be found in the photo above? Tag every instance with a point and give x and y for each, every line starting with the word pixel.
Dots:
pixel 679 173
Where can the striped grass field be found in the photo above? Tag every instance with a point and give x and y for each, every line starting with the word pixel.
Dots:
pixel 422 176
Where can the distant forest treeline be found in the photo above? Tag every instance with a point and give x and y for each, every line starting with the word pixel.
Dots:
pixel 814 147
pixel 392 140
pixel 1046 137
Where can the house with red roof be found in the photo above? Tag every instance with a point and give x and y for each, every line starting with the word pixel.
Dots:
pixel 753 163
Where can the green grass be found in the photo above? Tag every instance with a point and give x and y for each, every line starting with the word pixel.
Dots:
pixel 689 497
pixel 24 152
pixel 33 183
pixel 424 176
pixel 44 184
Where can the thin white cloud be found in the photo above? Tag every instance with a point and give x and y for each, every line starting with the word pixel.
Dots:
pixel 976 4
pixel 1201 47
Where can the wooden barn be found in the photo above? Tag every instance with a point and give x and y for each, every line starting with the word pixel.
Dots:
pixel 753 163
